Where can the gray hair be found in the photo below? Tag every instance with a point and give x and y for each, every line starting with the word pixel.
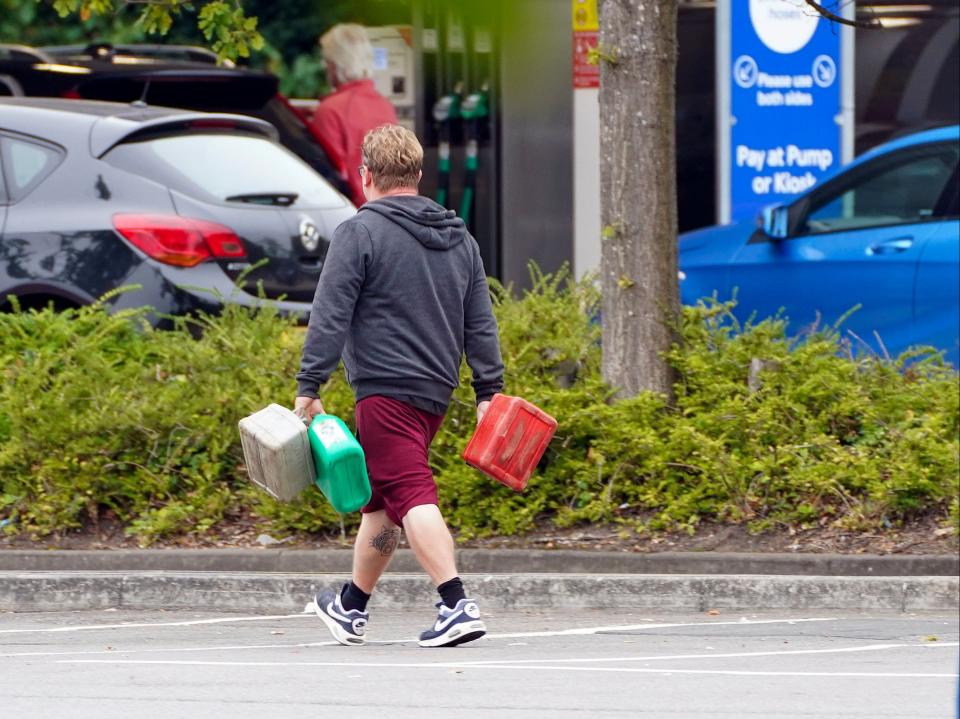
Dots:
pixel 348 48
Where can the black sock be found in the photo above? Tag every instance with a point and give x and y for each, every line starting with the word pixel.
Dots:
pixel 352 597
pixel 451 592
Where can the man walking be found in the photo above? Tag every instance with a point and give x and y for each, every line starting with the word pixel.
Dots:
pixel 403 295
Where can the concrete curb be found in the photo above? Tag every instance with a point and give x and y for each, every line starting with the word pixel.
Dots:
pixel 288 593
pixel 479 561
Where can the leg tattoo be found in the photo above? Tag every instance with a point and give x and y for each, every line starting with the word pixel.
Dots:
pixel 386 541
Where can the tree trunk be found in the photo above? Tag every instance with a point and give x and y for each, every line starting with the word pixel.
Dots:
pixel 637 53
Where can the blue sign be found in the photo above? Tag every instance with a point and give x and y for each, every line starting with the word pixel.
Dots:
pixel 785 103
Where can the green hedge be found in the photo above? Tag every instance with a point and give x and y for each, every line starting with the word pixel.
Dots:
pixel 100 412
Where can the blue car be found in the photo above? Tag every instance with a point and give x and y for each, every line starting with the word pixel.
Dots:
pixel 881 233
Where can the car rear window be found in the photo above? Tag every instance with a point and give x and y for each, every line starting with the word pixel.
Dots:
pixel 216 166
pixel 26 164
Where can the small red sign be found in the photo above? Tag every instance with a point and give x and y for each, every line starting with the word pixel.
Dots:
pixel 585 74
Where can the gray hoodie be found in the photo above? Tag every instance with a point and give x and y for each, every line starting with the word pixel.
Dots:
pixel 402 296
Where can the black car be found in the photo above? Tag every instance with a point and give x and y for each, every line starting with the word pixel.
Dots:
pixel 165 75
pixel 96 195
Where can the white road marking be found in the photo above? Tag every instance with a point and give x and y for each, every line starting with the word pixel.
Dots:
pixel 479 663
pixel 557 663
pixel 655 658
pixel 308 645
pixel 173 649
pixel 515 635
pixel 511 667
pixel 729 672
pixel 635 627
pixel 135 625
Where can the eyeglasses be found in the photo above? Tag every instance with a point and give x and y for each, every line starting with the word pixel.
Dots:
pixel 360 170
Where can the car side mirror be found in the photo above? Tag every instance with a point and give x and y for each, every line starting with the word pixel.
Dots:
pixel 774 221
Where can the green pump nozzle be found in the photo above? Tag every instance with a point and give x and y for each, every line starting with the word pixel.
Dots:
pixel 473 109
pixel 446 110
pixel 474 106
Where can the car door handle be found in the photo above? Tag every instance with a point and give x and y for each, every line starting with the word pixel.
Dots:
pixel 901 244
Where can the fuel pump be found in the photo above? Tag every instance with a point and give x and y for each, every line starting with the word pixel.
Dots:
pixel 458 56
pixel 473 110
pixel 446 111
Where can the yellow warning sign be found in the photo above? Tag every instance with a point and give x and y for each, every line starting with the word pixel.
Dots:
pixel 585 15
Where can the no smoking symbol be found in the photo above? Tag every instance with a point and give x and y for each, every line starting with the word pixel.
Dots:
pixel 824 70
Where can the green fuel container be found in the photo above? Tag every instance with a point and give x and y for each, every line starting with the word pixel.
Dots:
pixel 340 464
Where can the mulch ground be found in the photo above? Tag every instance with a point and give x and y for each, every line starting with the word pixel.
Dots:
pixel 925 536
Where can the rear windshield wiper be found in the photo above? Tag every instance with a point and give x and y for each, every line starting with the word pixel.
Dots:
pixel 285 199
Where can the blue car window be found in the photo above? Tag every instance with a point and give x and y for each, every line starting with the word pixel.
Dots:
pixel 897 189
pixel 949 204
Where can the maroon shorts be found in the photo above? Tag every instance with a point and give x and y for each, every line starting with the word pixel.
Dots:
pixel 396 438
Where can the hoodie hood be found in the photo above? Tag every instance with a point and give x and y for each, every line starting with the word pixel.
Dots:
pixel 434 226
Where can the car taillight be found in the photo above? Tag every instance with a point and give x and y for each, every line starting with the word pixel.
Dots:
pixel 179 241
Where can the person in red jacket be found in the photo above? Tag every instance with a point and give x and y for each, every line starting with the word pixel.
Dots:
pixel 354 107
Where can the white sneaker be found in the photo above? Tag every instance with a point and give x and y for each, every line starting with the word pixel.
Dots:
pixel 347 627
pixel 454 626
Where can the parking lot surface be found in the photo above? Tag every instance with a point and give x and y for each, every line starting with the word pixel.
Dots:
pixel 107 664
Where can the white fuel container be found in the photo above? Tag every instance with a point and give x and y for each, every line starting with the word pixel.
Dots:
pixel 277 451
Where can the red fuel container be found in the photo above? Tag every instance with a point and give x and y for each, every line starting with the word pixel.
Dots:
pixel 510 440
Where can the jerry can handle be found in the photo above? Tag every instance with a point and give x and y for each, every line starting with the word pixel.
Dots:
pixel 302 415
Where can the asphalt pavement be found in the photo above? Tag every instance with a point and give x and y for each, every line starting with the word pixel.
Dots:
pixel 209 633
pixel 601 664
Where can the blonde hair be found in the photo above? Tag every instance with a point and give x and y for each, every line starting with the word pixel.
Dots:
pixel 348 48
pixel 394 155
